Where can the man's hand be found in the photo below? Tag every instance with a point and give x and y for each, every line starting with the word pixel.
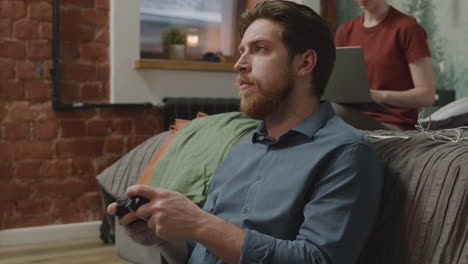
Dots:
pixel 171 218
pixel 170 215
pixel 137 229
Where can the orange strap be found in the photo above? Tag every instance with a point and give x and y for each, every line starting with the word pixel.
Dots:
pixel 148 171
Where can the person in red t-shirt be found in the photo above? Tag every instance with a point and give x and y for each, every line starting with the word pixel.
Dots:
pixel 398 61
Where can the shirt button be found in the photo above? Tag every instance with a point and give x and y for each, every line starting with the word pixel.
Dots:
pixel 244 210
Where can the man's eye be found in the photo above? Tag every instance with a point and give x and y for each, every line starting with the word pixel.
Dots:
pixel 259 48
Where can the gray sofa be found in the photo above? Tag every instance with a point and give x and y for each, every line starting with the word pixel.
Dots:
pixel 424 213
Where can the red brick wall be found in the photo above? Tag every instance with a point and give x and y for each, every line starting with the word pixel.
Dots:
pixel 48 159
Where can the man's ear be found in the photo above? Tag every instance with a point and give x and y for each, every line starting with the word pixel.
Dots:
pixel 307 62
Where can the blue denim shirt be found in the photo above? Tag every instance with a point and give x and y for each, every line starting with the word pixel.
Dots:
pixel 310 197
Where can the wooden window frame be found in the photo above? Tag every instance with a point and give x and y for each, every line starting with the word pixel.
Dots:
pixel 328 12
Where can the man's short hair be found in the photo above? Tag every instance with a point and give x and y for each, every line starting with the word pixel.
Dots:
pixel 302 29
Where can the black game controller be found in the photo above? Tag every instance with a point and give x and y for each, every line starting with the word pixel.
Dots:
pixel 129 204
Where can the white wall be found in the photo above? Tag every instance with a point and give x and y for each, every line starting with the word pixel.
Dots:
pixel 129 85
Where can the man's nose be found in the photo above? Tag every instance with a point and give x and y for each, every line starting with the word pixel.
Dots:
pixel 242 64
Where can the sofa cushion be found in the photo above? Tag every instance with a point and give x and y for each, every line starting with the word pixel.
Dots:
pixel 424 214
pixel 126 171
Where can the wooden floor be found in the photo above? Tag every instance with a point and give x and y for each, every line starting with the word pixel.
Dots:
pixel 81 251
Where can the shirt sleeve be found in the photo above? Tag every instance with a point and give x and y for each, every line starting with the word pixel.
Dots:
pixel 414 42
pixel 337 219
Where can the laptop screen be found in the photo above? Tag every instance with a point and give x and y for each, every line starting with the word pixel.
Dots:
pixel 348 82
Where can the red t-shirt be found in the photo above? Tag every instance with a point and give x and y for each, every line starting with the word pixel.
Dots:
pixel 388 49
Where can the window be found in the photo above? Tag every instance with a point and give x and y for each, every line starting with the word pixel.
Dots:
pixel 210 25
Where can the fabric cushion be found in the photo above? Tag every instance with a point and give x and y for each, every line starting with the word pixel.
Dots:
pixel 452 115
pixel 190 160
pixel 424 214
pixel 126 171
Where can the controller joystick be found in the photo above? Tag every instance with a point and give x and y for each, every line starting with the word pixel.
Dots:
pixel 129 204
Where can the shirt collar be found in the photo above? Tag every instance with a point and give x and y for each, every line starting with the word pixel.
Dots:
pixel 260 133
pixel 308 127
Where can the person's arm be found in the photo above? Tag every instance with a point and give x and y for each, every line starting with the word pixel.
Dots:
pixel 423 94
pixel 138 230
pixel 173 217
pixel 221 237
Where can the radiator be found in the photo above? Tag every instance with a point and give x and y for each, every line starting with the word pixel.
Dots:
pixel 188 107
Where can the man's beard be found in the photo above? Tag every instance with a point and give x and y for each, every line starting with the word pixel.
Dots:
pixel 265 98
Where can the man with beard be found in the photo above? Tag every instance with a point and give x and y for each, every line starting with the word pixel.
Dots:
pixel 303 188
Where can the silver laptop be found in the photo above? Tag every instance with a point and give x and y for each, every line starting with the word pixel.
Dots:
pixel 348 82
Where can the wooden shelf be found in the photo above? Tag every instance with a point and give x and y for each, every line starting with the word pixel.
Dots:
pixel 184 65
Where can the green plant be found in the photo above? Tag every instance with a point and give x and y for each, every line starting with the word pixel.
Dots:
pixel 174 35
